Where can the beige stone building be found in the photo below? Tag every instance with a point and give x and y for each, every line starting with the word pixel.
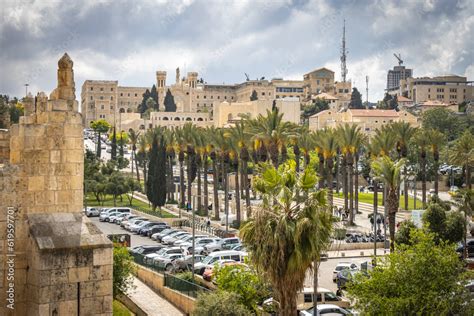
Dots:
pixel 451 89
pixel 54 260
pixel 226 114
pixel 368 120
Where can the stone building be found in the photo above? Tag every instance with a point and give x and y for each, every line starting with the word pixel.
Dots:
pixel 54 260
pixel 368 120
pixel 451 89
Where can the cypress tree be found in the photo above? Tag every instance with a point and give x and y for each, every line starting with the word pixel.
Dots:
pixel 142 107
pixel 121 145
pixel 156 181
pixel 154 96
pixel 356 100
pixel 113 154
pixel 169 104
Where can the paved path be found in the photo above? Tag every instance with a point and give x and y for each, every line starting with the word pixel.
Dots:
pixel 150 302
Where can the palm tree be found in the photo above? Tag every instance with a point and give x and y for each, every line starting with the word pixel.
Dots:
pixel 133 138
pixel 240 142
pixel 403 133
pixel 462 154
pixel 317 140
pixel 422 141
pixel 388 171
pixel 273 131
pixel 170 137
pixel 350 139
pixel 189 138
pixel 285 236
pixel 180 148
pixel 329 149
pixel 464 201
pixel 436 140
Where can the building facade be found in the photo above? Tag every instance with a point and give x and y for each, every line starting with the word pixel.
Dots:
pixel 398 73
pixel 368 120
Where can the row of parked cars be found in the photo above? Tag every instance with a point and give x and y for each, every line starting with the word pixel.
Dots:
pixel 174 246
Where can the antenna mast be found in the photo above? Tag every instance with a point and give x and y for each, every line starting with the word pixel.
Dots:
pixel 367 92
pixel 343 54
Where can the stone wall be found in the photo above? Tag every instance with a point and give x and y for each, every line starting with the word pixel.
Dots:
pixel 4 145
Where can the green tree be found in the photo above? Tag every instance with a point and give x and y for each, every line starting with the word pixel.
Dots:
pixel 356 100
pixel 443 120
pixel 16 110
pixel 254 96
pixel 142 107
pixel 404 233
pixel 435 220
pixel 220 303
pixel 156 181
pixel 287 233
pixel 123 269
pixel 445 224
pixel 245 282
pixel 436 140
pixel 424 278
pixel 133 137
pixel 100 127
pixel 169 104
pixel 132 186
pixel 113 153
pixel 317 106
pixel 388 172
pixel 462 154
pixel 116 186
pixel 154 96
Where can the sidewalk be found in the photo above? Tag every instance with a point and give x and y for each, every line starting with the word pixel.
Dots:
pixel 150 302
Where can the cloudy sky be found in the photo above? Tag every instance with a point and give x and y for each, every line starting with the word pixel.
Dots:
pixel 129 40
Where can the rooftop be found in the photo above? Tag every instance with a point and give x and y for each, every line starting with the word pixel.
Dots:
pixel 373 113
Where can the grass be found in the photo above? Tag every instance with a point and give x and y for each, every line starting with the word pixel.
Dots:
pixel 139 205
pixel 120 310
pixel 369 199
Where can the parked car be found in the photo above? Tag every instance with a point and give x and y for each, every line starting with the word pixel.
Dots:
pixel 146 249
pixel 219 245
pixel 219 255
pixel 136 227
pixel 304 298
pixel 185 263
pixel 470 248
pixel 92 211
pixel 166 262
pixel 144 229
pixel 128 218
pixel 134 221
pixel 114 218
pixel 199 244
pixel 342 266
pixel 171 238
pixel 345 276
pixel 326 309
pixel 209 270
pixel 154 229
pixel 105 215
pixel 453 190
pixel 165 252
pixel 158 237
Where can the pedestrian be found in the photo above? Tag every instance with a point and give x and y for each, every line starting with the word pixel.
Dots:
pixel 208 222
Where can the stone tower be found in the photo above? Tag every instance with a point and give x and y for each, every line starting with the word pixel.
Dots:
pixel 62 264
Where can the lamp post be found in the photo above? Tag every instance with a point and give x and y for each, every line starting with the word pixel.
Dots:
pixel 376 198
pixel 191 208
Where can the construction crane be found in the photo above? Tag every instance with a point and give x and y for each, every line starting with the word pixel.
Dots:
pixel 247 76
pixel 399 57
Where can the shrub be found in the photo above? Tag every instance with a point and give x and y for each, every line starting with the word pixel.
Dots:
pixel 220 303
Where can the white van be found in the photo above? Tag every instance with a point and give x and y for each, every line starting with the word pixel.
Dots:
pixel 304 298
pixel 237 256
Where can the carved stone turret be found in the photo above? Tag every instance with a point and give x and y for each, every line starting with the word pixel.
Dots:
pixel 66 88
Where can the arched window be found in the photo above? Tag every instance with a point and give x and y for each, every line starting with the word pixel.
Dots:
pixel 177 119
pixel 129 110
pixel 229 117
pixel 142 126
pixel 122 110
pixel 130 130
pixel 189 119
pixel 199 119
pixel 165 119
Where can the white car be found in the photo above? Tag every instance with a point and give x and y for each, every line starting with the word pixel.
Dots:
pixel 172 237
pixel 219 245
pixel 187 239
pixel 158 236
pixel 92 211
pixel 166 262
pixel 134 221
pixel 341 266
pixel 114 218
pixel 326 309
pixel 136 227
pixel 198 244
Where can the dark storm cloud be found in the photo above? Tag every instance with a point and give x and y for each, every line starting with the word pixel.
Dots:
pixel 129 40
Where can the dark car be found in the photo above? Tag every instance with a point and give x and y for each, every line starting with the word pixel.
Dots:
pixel 470 249
pixel 147 225
pixel 145 249
pixel 185 263
pixel 148 231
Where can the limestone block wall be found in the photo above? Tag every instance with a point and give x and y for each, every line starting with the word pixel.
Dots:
pixel 4 145
pixel 48 147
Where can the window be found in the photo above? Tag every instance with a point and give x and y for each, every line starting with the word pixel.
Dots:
pixel 232 98
pixel 187 93
pixel 218 97
pixel 317 81
pixel 92 98
pixel 111 97
pixel 121 94
pixel 102 97
pixel 225 97
pixel 205 97
pixel 263 93
pixel 429 96
pixel 453 90
pixel 136 94
pixel 329 296
pixel 129 94
pixel 111 89
pixel 234 257
pixel 111 107
pixel 341 90
pixel 346 91
pixel 92 88
pixel 308 298
pixel 101 89
pixel 376 121
pixel 101 106
pixel 429 90
pixel 277 96
pixel 197 97
pixel 212 97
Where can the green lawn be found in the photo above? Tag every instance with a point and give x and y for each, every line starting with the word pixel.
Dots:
pixel 119 309
pixel 369 198
pixel 137 204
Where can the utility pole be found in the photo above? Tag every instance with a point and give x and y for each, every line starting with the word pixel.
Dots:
pixel 343 53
